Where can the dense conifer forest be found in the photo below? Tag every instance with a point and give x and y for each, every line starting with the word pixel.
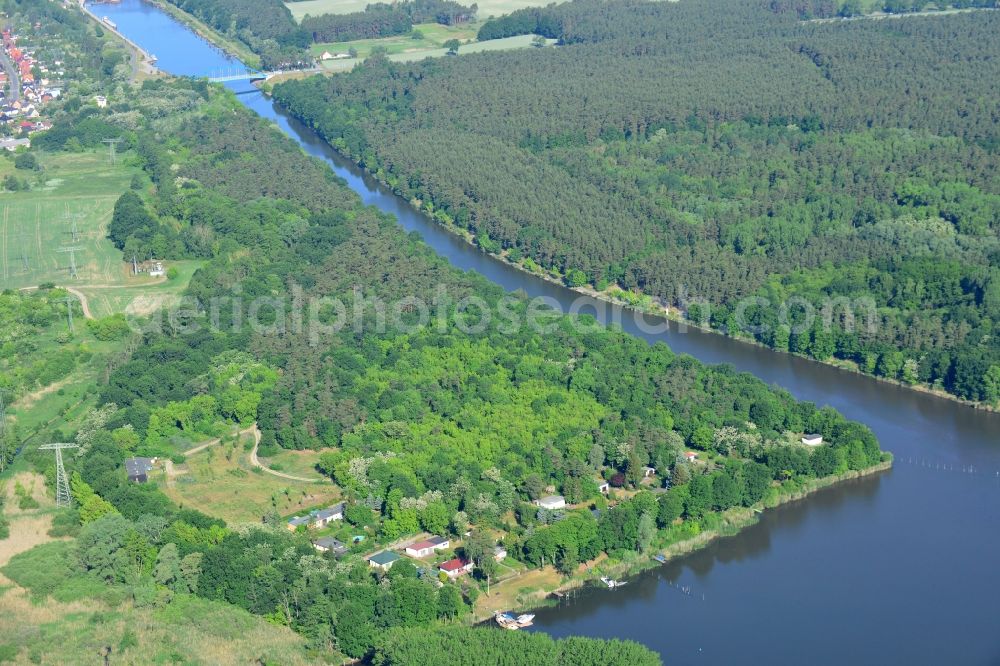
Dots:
pixel 700 154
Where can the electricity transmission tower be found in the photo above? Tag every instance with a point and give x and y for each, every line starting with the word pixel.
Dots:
pixel 3 419
pixel 69 300
pixel 112 146
pixel 5 445
pixel 63 496
pixel 72 259
pixel 74 230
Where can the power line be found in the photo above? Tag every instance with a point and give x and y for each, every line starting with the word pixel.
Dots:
pixel 69 300
pixel 72 259
pixel 112 144
pixel 63 496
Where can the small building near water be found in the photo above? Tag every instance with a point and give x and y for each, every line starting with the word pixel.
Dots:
pixel 812 440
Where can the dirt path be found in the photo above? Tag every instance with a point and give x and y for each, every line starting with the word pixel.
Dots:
pixel 213 442
pixel 259 465
pixel 83 302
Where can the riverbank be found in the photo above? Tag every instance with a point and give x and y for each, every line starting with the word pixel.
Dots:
pixel 143 62
pixel 735 520
pixel 637 299
pixel 231 47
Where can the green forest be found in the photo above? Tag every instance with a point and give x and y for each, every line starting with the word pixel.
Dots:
pixel 668 151
pixel 436 428
pixel 440 427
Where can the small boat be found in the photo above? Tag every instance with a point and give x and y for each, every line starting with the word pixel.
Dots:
pixel 611 582
pixel 507 621
pixel 525 620
pixel 660 558
pixel 108 22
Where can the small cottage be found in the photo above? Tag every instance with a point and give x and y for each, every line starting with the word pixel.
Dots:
pixel 138 469
pixel 456 567
pixel 812 440
pixel 330 545
pixel 383 560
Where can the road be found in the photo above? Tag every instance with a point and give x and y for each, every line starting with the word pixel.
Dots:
pixel 259 465
pixel 12 74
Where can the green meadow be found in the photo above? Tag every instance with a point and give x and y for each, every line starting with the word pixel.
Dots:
pixel 37 228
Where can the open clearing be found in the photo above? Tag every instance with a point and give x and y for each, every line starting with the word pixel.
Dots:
pixel 434 37
pixel 518 42
pixel 487 8
pixel 80 189
pixel 220 481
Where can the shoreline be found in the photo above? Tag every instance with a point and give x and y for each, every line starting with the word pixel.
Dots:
pixel 225 44
pixel 665 311
pixel 734 521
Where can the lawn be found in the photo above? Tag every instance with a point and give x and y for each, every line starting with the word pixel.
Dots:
pixel 221 482
pixel 487 8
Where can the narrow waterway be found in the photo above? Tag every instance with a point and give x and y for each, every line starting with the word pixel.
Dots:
pixel 899 568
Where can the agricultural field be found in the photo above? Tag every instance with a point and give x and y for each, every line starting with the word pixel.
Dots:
pixel 220 481
pixel 487 8
pixel 75 189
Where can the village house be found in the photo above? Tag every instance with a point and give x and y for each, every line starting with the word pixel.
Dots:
pixel 456 567
pixel 427 547
pixel 317 518
pixel 690 456
pixel 138 469
pixel 812 440
pixel 383 560
pixel 499 553
pixel 330 545
pixel 648 472
pixel 551 502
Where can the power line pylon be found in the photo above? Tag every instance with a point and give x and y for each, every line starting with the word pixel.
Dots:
pixel 72 259
pixel 74 230
pixel 69 301
pixel 63 496
pixel 112 145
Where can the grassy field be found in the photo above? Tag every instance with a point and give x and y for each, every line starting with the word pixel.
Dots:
pixel 519 42
pixel 487 8
pixel 78 188
pixel 297 463
pixel 434 36
pixel 220 481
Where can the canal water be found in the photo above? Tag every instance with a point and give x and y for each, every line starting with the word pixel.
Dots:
pixel 899 568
